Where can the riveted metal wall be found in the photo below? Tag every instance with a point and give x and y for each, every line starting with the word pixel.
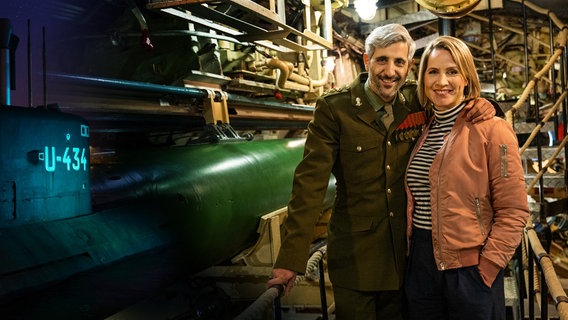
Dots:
pixel 44 166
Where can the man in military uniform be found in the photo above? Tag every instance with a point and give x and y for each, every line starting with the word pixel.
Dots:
pixel 363 134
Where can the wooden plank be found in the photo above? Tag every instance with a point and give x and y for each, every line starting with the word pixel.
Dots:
pixel 161 4
pixel 258 9
pixel 275 19
pixel 219 27
pixel 264 35
pixel 277 36
pixel 274 36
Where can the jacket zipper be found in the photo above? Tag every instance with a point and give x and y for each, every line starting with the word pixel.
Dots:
pixel 504 169
pixel 478 212
pixel 442 265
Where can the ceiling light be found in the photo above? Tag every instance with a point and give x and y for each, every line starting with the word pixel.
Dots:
pixel 366 9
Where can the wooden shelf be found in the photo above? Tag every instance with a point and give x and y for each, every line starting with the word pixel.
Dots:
pixel 276 32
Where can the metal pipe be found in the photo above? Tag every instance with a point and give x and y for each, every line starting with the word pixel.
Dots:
pixel 258 308
pixel 29 66
pixel 531 289
pixel 132 85
pixel 546 228
pixel 531 276
pixel 285 70
pixel 446 27
pixel 5 35
pixel 492 39
pixel 324 315
pixel 44 67
pixel 525 37
pixel 260 305
pixel 564 105
pixel 183 91
pixel 553 75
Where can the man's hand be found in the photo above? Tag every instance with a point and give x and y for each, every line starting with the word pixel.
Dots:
pixel 283 277
pixel 479 109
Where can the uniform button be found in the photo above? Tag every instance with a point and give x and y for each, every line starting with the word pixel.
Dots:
pixel 391 214
pixel 388 143
pixel 388 167
pixel 389 191
pixel 359 148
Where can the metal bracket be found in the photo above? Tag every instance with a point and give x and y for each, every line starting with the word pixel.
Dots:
pixel 216 114
pixel 222 132
pixel 216 109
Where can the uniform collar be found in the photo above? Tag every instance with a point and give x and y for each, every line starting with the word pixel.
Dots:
pixel 376 102
pixel 364 106
pixel 360 100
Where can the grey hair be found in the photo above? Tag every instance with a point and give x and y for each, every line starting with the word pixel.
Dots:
pixel 384 36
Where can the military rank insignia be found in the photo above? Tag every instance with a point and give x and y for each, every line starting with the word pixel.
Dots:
pixel 411 128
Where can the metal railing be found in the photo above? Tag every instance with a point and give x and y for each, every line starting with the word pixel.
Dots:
pixel 271 297
pixel 538 277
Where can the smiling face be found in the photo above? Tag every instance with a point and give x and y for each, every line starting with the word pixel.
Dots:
pixel 388 68
pixel 444 85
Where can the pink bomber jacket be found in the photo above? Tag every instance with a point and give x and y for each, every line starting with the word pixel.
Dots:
pixel 478 197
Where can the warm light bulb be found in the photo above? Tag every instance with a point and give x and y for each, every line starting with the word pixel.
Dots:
pixel 329 63
pixel 366 9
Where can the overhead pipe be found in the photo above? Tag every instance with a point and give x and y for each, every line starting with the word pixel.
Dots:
pixel 176 90
pixel 286 68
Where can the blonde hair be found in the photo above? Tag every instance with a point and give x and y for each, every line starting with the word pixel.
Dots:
pixel 462 57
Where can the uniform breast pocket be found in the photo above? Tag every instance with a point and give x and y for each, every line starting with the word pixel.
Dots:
pixel 360 159
pixel 351 224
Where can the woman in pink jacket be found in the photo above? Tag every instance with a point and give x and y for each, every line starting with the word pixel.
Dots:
pixel 467 204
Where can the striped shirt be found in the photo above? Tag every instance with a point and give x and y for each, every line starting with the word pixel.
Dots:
pixel 418 179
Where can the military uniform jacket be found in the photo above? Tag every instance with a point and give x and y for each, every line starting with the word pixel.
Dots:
pixel 346 138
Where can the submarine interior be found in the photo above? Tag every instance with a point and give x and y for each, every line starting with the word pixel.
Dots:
pixel 147 147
